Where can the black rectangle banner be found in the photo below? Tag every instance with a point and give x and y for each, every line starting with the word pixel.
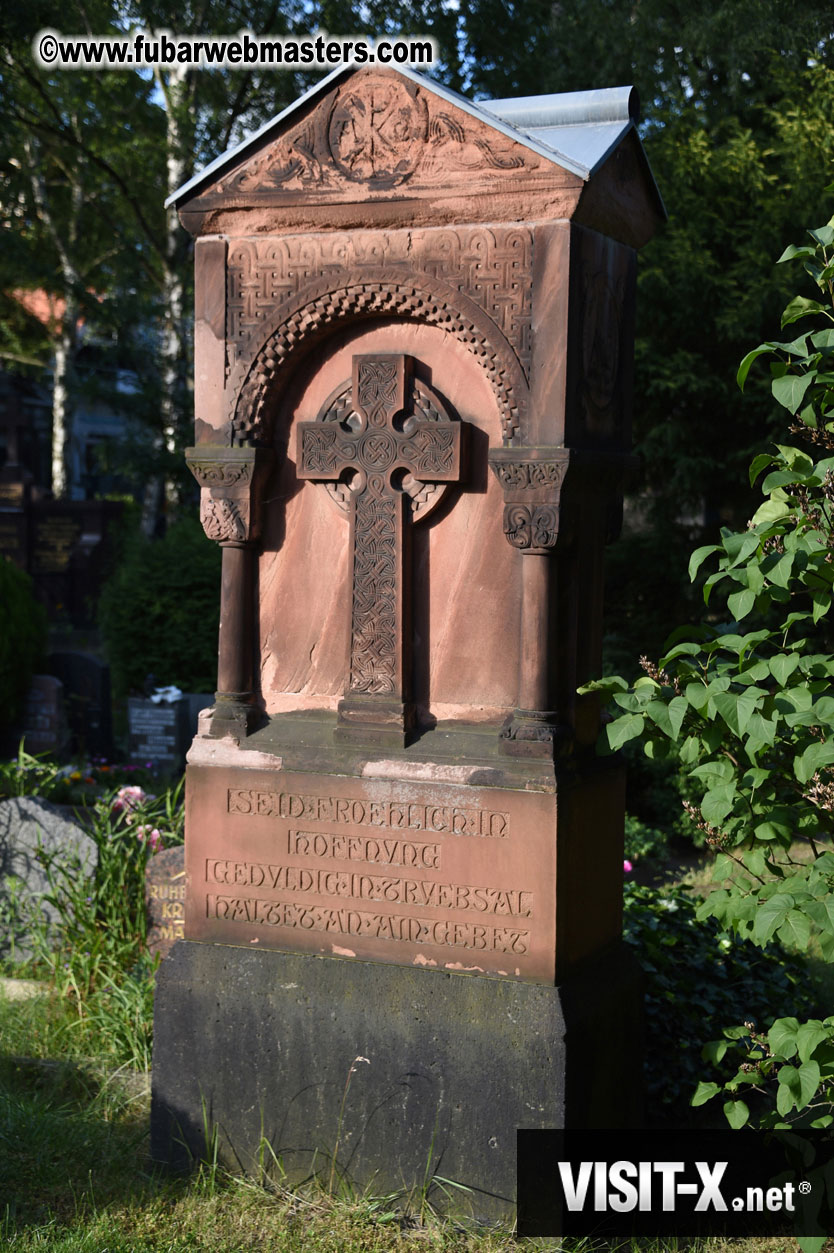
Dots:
pixel 675 1183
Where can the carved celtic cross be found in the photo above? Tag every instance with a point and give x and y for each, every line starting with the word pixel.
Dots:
pixel 388 438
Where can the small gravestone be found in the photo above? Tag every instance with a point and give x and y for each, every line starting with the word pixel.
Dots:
pixel 86 681
pixel 165 899
pixel 29 826
pixel 44 726
pixel 158 732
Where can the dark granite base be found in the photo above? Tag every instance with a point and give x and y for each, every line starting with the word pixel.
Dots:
pixel 260 1044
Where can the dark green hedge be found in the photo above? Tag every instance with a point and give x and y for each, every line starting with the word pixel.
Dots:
pixel 160 609
pixel 22 640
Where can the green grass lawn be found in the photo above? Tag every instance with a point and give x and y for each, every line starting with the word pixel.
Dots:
pixel 75 1175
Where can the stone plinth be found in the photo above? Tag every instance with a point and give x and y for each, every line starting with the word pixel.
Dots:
pixel 263 1043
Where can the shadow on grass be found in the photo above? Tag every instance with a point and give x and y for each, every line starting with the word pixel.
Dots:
pixel 72 1140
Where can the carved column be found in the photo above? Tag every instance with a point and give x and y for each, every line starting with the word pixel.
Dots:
pixel 532 482
pixel 231 480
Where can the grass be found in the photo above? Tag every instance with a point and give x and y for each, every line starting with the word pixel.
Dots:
pixel 75 1177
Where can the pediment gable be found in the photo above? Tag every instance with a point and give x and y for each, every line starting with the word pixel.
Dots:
pixel 375 134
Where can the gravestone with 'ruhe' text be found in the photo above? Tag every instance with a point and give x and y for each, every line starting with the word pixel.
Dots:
pixel 413 343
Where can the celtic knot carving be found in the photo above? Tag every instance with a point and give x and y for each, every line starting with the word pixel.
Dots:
pixel 222 519
pixel 491 266
pixel 520 475
pixel 343 442
pixel 373 655
pixel 534 527
pixel 377 391
pixel 253 401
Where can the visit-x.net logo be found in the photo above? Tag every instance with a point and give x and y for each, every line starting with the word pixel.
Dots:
pixel 730 1183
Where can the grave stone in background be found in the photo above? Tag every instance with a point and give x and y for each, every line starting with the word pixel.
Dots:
pixel 158 732
pixel 412 390
pixel 86 681
pixel 28 824
pixel 165 897
pixel 69 551
pixel 44 728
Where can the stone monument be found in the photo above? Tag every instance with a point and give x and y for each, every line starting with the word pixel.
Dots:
pixel 414 323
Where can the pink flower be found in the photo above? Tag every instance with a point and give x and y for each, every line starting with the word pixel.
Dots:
pixel 128 798
pixel 627 867
pixel 153 836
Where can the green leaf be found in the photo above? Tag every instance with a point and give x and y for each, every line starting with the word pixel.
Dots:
pixel 705 1091
pixel 624 729
pixel 772 511
pixel 810 1034
pixel 700 555
pixel 741 603
pixel 801 307
pixel 711 1052
pixel 791 388
pixel 822 604
pixel 736 1113
pixel 678 707
pixel 754 860
pixel 782 666
pixel 811 1244
pixel 797 250
pixel 744 368
pixel 782 1037
pixel 800 1082
pixel 822 914
pixel 824 235
pixel 780 572
pixel 697 695
pixel 737 708
pixel 813 759
pixel 770 915
pixel 758 464
pixel 795 930
pixel 785 1093
pixel 718 803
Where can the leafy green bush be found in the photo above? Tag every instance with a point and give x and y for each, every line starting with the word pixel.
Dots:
pixel 745 704
pixel 160 611
pixel 22 640
pixel 696 977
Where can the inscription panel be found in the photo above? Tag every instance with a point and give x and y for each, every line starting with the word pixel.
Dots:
pixel 427 874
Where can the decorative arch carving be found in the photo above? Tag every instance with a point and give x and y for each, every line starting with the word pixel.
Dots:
pixel 321 307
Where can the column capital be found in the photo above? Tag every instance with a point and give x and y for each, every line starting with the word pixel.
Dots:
pixel 231 481
pixel 531 479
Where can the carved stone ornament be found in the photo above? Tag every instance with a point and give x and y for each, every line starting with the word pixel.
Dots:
pixel 380 132
pixel 531 528
pixel 357 442
pixel 224 519
pixel 252 390
pixel 231 480
pixel 490 265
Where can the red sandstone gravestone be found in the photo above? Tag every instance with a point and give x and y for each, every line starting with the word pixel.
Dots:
pixel 412 391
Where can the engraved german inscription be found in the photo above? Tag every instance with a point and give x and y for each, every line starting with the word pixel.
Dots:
pixel 426 872
pixel 355 922
pixel 383 851
pixel 370 887
pixel 395 815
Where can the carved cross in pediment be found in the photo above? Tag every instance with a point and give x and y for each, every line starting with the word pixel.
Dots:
pixel 389 441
